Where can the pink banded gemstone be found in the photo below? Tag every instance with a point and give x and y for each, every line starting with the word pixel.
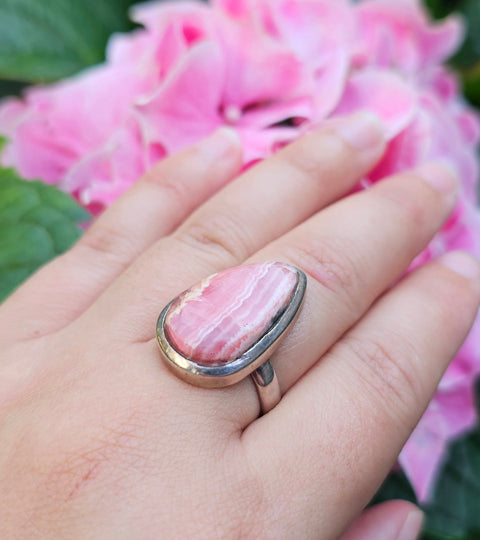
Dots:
pixel 217 320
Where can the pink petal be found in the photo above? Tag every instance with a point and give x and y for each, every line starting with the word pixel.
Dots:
pixel 12 111
pixel 296 111
pixel 405 151
pixel 186 106
pixel 382 92
pixel 234 8
pixel 448 415
pixel 398 34
pixel 102 176
pixel 258 145
pixel 259 70
pixel 156 16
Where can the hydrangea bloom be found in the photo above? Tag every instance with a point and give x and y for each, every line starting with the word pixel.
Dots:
pixel 272 70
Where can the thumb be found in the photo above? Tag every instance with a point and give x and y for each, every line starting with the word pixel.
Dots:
pixel 393 520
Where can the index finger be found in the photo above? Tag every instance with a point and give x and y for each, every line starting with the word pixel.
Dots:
pixel 338 431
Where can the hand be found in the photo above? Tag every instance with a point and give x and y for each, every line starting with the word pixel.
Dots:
pixel 100 440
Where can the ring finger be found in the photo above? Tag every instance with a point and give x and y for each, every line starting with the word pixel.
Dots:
pixel 352 252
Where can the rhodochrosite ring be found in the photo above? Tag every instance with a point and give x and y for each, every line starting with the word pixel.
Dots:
pixel 227 326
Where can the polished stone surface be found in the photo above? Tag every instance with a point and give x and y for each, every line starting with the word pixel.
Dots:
pixel 217 320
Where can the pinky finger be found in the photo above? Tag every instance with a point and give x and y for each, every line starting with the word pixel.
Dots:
pixel 393 520
pixel 360 403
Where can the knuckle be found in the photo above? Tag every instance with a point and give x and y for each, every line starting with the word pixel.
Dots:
pixel 334 265
pixel 221 237
pixel 171 186
pixel 387 372
pixel 303 156
pixel 407 198
pixel 108 242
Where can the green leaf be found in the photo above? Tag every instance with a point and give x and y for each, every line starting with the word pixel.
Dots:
pixel 454 512
pixel 470 10
pixel 10 88
pixel 37 223
pixel 61 201
pixel 396 486
pixel 44 40
pixel 3 143
pixel 442 8
pixel 467 59
pixel 469 53
pixel 471 85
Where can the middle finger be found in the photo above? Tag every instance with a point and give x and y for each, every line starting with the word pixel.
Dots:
pixel 264 203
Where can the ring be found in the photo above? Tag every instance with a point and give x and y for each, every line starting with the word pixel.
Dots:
pixel 227 326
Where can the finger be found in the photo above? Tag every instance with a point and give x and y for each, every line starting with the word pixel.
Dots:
pixel 351 252
pixel 393 520
pixel 152 208
pixel 354 410
pixel 265 202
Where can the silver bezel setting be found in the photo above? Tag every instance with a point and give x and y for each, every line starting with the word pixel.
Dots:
pixel 219 376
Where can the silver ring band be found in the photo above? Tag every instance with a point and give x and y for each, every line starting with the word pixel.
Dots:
pixel 268 387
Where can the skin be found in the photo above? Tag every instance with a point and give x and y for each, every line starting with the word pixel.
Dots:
pixel 100 440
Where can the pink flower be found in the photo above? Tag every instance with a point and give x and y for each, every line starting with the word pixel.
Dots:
pixel 272 70
pixel 398 35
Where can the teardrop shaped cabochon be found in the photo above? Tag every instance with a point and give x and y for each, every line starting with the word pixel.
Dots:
pixel 217 320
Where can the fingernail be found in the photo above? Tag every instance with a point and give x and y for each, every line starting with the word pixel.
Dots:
pixel 412 526
pixel 462 263
pixel 220 143
pixel 363 130
pixel 440 176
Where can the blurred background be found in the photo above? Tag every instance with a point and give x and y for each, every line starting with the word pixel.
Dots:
pixel 34 48
pixel 43 42
pixel 28 54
